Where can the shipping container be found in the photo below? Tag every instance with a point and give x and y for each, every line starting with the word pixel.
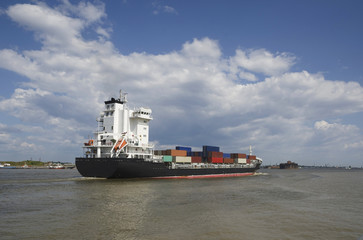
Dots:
pixel 172 152
pixel 215 154
pixel 167 158
pixel 197 154
pixel 228 160
pixel 240 160
pixel 252 157
pixel 226 155
pixel 215 160
pixel 210 149
pixel 188 149
pixel 238 155
pixel 248 160
pixel 182 159
pixel 196 159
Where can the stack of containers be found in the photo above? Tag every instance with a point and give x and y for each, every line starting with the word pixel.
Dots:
pixel 227 158
pixel 177 156
pixel 199 154
pixel 215 157
pixel 211 154
pixel 188 149
pixel 250 157
pixel 197 157
pixel 239 157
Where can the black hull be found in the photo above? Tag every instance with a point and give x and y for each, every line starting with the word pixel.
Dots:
pixel 138 168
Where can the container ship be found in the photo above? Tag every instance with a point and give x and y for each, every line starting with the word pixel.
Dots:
pixel 121 149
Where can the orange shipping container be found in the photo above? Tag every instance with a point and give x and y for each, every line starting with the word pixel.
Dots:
pixel 174 152
pixel 228 160
pixel 252 157
pixel 196 159
pixel 215 154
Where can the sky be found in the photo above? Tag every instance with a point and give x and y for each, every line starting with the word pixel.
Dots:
pixel 282 76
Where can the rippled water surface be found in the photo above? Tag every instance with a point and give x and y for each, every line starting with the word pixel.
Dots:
pixel 275 204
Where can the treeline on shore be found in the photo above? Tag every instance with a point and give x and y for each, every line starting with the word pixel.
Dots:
pixel 26 162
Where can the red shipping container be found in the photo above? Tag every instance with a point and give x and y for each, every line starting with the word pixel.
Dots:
pixel 228 160
pixel 215 160
pixel 248 161
pixel 215 154
pixel 196 159
pixel 238 155
pixel 252 157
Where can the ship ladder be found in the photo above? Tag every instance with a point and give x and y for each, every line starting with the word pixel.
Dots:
pixel 118 146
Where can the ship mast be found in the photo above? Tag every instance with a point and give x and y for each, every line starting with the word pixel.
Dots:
pixel 123 97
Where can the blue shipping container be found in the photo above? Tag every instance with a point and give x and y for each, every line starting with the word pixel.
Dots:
pixel 226 155
pixel 207 149
pixel 188 149
pixel 210 149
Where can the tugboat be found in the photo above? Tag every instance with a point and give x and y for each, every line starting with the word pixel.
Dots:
pixel 56 166
pixel 121 149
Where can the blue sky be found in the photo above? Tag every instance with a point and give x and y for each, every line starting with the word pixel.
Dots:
pixel 282 76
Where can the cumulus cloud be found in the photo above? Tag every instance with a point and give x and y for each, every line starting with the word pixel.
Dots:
pixel 195 92
pixel 57 29
pixel 262 61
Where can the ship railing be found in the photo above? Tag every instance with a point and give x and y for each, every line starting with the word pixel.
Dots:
pixel 207 165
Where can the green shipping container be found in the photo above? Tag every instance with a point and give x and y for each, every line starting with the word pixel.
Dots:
pixel 167 158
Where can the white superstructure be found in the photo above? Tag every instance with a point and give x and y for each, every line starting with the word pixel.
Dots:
pixel 121 132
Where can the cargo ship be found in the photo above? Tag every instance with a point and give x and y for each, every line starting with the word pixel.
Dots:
pixel 121 149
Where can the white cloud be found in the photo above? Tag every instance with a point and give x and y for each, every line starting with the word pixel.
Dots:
pixel 56 29
pixel 247 76
pixel 52 27
pixel 354 145
pixel 262 61
pixel 159 8
pixel 169 9
pixel 205 49
pixel 193 91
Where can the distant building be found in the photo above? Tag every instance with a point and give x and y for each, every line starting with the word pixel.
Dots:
pixel 288 165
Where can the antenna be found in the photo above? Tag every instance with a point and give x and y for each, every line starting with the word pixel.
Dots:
pixel 123 97
pixel 250 150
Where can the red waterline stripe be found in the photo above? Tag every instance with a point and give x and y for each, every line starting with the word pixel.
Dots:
pixel 206 176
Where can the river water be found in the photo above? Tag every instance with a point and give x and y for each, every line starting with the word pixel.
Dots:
pixel 275 204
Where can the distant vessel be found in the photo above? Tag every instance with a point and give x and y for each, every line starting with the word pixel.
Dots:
pixel 121 149
pixel 7 166
pixel 57 166
pixel 289 165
